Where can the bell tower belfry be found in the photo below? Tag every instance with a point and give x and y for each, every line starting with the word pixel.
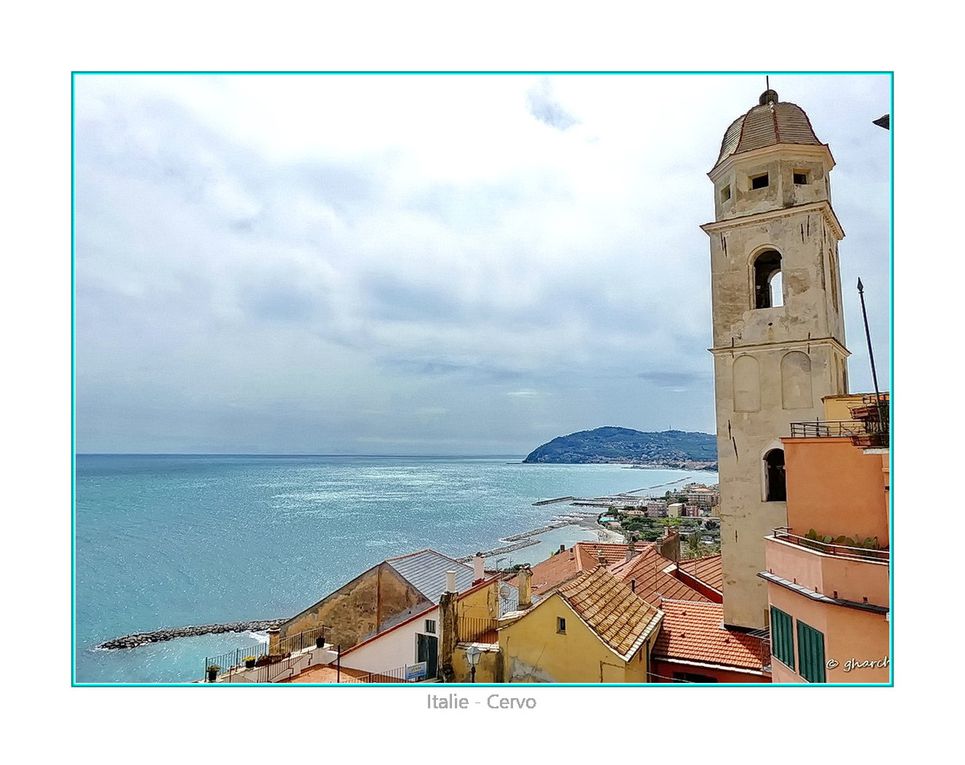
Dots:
pixel 778 325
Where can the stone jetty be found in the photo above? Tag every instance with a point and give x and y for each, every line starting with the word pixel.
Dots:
pixel 171 633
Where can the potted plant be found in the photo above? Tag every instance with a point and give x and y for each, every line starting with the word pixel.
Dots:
pixel 320 641
pixel 249 662
pixel 213 670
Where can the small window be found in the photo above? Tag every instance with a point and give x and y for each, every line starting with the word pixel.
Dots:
pixel 800 178
pixel 725 193
pixel 560 625
pixel 759 181
pixel 431 626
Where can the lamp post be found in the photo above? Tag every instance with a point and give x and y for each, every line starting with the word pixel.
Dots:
pixel 472 655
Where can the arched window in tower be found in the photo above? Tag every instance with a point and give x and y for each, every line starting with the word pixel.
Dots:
pixel 768 282
pixel 775 488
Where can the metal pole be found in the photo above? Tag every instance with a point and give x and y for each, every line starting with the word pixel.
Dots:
pixel 338 665
pixel 871 356
pixel 867 332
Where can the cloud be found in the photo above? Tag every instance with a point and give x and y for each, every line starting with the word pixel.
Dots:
pixel 265 262
pixel 546 109
pixel 676 381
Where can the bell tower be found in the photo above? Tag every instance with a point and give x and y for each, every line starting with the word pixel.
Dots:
pixel 778 326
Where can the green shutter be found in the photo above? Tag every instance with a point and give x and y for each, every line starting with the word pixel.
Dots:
pixel 782 637
pixel 810 649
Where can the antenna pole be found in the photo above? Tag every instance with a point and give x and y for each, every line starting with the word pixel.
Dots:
pixel 871 356
pixel 867 333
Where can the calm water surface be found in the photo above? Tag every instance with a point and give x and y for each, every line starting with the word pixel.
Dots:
pixel 164 541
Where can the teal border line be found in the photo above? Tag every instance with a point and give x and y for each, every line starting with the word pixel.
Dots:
pixel 429 687
pixel 891 386
pixel 73 397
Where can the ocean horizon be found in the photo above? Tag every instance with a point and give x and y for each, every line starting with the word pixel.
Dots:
pixel 168 540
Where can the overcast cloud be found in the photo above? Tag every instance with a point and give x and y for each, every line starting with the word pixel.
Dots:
pixel 422 264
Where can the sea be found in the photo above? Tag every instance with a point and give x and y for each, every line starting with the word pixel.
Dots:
pixel 175 540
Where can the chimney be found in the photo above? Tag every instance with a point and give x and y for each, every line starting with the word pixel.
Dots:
pixel 670 545
pixel 600 558
pixel 631 548
pixel 448 629
pixel 524 582
pixel 478 568
pixel 562 548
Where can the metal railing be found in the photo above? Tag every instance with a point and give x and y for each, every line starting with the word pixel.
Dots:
pixel 300 640
pixel 863 433
pixel 233 659
pixel 834 548
pixel 471 628
pixel 397 675
pixel 828 429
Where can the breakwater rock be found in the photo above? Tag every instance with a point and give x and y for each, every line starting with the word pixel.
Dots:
pixel 171 633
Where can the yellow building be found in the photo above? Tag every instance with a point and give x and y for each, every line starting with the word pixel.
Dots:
pixel 593 629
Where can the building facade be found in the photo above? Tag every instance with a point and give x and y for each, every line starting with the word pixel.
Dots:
pixel 827 571
pixel 778 328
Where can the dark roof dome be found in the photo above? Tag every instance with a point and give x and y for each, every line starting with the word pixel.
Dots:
pixel 769 123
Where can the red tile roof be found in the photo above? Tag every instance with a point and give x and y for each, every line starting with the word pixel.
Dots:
pixel 708 570
pixel 694 631
pixel 551 573
pixel 611 609
pixel 588 554
pixel 648 574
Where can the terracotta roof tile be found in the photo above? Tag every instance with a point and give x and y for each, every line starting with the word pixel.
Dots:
pixel 708 570
pixel 611 609
pixel 551 572
pixel 583 556
pixel 695 631
pixel 648 574
pixel 588 554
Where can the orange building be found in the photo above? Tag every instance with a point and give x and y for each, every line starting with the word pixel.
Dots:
pixel 827 572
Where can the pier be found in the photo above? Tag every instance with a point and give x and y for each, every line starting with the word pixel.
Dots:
pixel 137 639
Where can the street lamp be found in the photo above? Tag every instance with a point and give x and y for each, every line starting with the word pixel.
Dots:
pixel 472 655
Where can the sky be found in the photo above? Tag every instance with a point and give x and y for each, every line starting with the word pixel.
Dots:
pixel 435 264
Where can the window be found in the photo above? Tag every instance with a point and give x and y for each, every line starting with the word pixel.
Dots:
pixel 768 282
pixel 725 193
pixel 760 181
pixel 560 625
pixel 692 677
pixel 775 487
pixel 800 177
pixel 782 637
pixel 431 626
pixel 810 652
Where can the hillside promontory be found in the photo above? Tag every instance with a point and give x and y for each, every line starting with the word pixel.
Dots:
pixel 668 448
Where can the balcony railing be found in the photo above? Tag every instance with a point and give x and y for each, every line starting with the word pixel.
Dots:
pixel 835 548
pixel 300 641
pixel 867 434
pixel 475 629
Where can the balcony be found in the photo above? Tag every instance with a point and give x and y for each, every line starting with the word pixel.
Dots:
pixel 869 427
pixel 837 547
pixel 832 572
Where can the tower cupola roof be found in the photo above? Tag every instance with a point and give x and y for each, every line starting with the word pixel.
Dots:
pixel 769 123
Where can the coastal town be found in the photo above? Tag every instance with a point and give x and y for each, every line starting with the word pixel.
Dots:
pixel 778 574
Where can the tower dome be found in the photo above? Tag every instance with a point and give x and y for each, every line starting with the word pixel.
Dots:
pixel 769 123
